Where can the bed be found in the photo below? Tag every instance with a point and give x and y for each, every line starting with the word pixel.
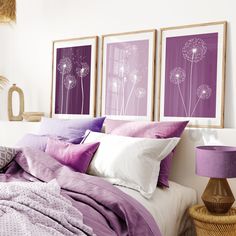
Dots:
pixel 44 191
pixel 169 208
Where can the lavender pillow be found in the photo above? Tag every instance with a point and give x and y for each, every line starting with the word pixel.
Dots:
pixel 76 156
pixel 72 130
pixel 146 129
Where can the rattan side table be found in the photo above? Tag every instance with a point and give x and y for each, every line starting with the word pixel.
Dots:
pixel 207 224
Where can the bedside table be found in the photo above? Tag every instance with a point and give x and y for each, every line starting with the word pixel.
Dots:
pixel 210 224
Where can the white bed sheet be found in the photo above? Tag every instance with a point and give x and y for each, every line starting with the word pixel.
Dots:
pixel 169 207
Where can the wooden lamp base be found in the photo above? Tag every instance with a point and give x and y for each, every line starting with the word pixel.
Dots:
pixel 218 197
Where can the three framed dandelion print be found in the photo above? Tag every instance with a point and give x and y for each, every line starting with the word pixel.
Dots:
pixel 128 75
pixel 192 71
pixel 74 77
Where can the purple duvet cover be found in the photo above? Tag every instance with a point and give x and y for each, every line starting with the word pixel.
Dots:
pixel 106 209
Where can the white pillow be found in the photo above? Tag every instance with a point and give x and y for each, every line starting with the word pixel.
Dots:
pixel 130 162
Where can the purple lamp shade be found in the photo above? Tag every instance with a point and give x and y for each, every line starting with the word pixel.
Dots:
pixel 216 161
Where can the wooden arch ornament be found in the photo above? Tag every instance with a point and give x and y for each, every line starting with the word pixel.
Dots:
pixel 11 116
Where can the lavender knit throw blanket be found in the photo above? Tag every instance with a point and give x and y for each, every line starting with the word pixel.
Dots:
pixel 38 209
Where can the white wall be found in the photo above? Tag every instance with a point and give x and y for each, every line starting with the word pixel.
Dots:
pixel 26 47
pixel 26 52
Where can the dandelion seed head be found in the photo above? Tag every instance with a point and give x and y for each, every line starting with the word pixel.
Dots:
pixel 69 82
pixel 204 92
pixel 129 50
pixel 177 75
pixel 64 65
pixel 140 92
pixel 115 85
pixel 82 70
pixel 134 47
pixel 135 77
pixel 122 69
pixel 194 50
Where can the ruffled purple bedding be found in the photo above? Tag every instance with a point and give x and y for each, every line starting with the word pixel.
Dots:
pixel 105 209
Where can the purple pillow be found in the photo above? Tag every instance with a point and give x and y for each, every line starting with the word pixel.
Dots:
pixel 149 130
pixel 72 130
pixel 33 141
pixel 76 156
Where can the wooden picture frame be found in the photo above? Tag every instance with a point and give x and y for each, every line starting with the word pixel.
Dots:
pixel 74 75
pixel 192 64
pixel 128 75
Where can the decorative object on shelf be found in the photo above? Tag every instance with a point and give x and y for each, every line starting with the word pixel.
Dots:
pixel 209 224
pixel 7 11
pixel 3 82
pixel 11 115
pixel 218 163
pixel 128 75
pixel 192 74
pixel 74 77
pixel 33 116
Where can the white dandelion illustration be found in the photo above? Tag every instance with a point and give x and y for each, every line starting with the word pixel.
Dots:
pixel 194 51
pixel 64 67
pixel 123 71
pixel 177 76
pixel 82 71
pixel 123 83
pixel 131 49
pixel 69 83
pixel 135 77
pixel 128 51
pixel 139 93
pixel 115 88
pixel 203 93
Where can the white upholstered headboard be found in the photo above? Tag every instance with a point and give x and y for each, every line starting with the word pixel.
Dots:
pixel 12 131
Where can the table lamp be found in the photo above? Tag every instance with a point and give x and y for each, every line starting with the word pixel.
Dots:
pixel 218 163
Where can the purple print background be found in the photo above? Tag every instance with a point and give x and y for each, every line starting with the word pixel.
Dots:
pixel 127 78
pixel 190 76
pixel 73 66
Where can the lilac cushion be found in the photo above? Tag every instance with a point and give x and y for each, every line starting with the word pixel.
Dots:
pixel 72 130
pixel 33 141
pixel 76 156
pixel 149 130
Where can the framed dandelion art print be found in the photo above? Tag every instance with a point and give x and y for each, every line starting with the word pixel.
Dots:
pixel 128 75
pixel 74 78
pixel 192 74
